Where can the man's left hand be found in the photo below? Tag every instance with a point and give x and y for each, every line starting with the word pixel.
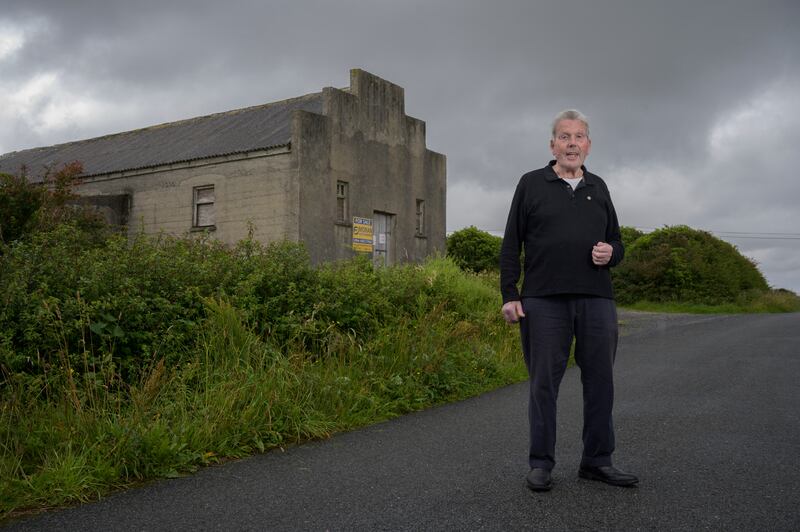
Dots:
pixel 601 253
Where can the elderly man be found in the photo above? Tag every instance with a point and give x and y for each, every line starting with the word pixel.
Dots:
pixel 564 217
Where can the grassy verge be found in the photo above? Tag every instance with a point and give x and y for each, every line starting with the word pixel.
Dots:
pixel 767 302
pixel 687 308
pixel 73 434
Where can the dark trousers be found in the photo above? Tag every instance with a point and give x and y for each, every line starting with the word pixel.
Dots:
pixel 549 326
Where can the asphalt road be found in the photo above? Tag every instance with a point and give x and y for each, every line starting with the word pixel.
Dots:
pixel 707 414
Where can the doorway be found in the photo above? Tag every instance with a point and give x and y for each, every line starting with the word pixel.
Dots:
pixel 383 244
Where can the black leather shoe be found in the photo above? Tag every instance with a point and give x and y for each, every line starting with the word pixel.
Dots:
pixel 608 474
pixel 539 479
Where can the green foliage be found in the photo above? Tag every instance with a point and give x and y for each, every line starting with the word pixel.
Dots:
pixel 26 208
pixel 67 303
pixel 629 235
pixel 127 359
pixel 683 264
pixel 474 250
pixel 123 360
pixel 19 203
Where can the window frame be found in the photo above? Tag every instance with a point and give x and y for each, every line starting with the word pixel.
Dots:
pixel 343 208
pixel 197 201
pixel 420 217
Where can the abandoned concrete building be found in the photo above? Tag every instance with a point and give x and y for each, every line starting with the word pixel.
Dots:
pixel 342 170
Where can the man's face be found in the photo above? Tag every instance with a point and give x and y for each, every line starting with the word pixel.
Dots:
pixel 571 145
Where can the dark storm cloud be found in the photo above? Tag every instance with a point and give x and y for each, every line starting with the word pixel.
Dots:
pixel 667 85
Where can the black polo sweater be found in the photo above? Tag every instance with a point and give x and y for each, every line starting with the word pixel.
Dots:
pixel 558 227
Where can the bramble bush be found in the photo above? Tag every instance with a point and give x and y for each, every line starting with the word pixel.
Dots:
pixel 67 304
pixel 27 208
pixel 143 358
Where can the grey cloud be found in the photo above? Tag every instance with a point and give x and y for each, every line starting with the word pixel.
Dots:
pixel 654 77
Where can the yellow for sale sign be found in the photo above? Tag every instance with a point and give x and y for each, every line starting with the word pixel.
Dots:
pixel 362 234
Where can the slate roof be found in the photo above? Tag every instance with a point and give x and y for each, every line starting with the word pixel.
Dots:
pixel 238 131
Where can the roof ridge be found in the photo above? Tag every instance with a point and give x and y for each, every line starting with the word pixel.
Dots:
pixel 182 121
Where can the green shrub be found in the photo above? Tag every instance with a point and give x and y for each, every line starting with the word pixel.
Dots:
pixel 73 305
pixel 683 264
pixel 474 250
pixel 629 235
pixel 19 203
pixel 26 207
pixel 70 304
pixel 153 357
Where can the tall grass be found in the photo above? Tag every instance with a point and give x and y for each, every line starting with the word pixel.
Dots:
pixel 374 344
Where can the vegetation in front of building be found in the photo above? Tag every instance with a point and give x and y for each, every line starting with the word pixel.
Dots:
pixel 121 395
pixel 27 208
pixel 673 269
pixel 124 360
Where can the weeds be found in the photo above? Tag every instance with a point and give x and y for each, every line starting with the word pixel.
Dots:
pixel 231 363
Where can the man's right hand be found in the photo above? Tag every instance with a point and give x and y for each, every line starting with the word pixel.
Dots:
pixel 512 311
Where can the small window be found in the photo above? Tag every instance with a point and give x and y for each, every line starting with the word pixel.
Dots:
pixel 420 217
pixel 203 206
pixel 342 206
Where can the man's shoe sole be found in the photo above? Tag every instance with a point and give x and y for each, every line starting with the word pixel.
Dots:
pixel 540 487
pixel 622 484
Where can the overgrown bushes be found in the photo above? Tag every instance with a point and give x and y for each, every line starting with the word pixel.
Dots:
pixel 675 265
pixel 683 264
pixel 122 360
pixel 474 250
pixel 125 359
pixel 26 208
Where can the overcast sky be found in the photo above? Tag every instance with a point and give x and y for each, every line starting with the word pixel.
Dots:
pixel 694 106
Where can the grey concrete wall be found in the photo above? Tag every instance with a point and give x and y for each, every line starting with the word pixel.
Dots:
pixel 311 151
pixel 366 140
pixel 247 190
pixel 113 208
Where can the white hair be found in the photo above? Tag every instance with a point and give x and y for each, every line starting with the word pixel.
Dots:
pixel 570 114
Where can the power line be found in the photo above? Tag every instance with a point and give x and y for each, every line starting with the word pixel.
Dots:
pixel 755 235
pixel 759 235
pixel 729 232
